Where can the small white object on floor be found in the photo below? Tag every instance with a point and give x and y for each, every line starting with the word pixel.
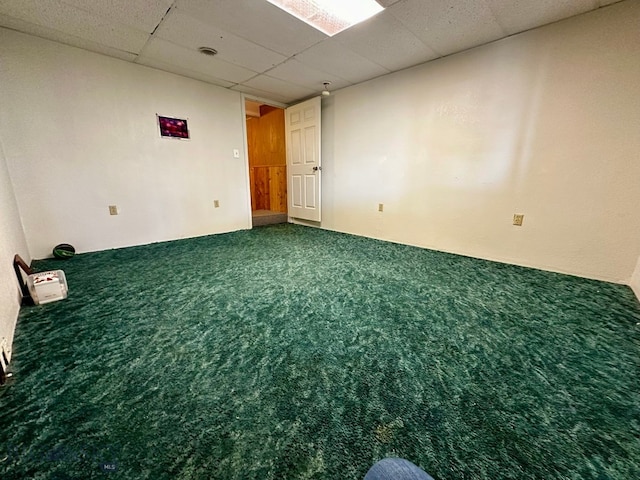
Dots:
pixel 46 287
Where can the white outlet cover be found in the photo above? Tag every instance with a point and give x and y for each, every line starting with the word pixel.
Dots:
pixel 236 153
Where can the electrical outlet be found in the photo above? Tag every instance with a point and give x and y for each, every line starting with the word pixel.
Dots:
pixel 236 153
pixel 216 204
pixel 381 207
pixel 113 210
pixel 517 219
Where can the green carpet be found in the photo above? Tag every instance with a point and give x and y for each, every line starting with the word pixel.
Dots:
pixel 294 353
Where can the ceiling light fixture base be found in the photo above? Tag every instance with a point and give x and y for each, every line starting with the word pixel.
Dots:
pixel 208 51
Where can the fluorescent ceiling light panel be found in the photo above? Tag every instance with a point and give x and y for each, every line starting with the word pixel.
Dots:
pixel 330 16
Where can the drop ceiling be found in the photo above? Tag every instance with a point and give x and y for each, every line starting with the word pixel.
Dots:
pixel 267 53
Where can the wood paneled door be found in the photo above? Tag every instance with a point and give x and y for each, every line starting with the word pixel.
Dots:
pixel 267 160
pixel 269 188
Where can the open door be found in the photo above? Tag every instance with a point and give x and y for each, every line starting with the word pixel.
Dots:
pixel 267 157
pixel 302 133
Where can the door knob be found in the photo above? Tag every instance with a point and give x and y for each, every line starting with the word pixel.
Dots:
pixel 316 169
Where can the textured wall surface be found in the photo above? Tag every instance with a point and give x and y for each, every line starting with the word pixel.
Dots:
pixel 12 241
pixel 544 123
pixel 635 280
pixel 80 134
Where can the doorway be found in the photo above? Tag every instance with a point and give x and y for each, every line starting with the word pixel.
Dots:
pixel 266 150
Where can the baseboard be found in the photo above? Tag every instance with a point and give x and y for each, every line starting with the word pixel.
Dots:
pixel 6 339
pixel 306 223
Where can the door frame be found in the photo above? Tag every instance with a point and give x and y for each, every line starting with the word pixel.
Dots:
pixel 244 97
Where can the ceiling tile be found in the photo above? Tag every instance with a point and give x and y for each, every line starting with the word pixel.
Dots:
pixel 185 72
pixel 257 21
pixel 519 15
pixel 448 26
pixel 192 33
pixel 56 36
pixel 306 76
pixel 73 21
pixel 257 41
pixel 141 14
pixel 330 56
pixel 385 41
pixel 172 54
pixel 281 88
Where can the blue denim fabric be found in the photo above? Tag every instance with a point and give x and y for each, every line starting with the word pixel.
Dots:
pixel 396 469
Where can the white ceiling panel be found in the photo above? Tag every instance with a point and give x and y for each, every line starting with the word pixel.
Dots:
pixel 330 56
pixel 172 54
pixel 192 33
pixel 519 15
pixel 141 14
pixel 56 36
pixel 306 76
pixel 284 89
pixel 449 26
pixel 255 20
pixel 385 41
pixel 67 19
pixel 185 72
pixel 269 52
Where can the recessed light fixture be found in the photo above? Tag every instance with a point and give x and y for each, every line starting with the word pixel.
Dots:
pixel 208 51
pixel 330 16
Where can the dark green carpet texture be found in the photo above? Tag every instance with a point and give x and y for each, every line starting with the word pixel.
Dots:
pixel 288 352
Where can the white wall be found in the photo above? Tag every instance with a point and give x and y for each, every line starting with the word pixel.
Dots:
pixel 545 123
pixel 635 280
pixel 12 241
pixel 80 134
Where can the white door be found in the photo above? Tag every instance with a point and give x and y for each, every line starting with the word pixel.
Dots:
pixel 302 130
